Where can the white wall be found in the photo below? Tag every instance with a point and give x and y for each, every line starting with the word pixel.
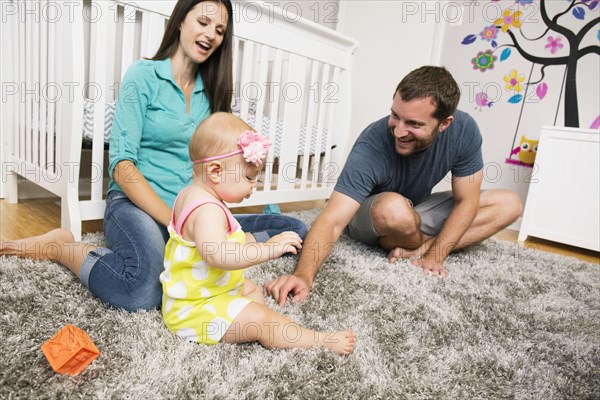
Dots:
pixel 394 38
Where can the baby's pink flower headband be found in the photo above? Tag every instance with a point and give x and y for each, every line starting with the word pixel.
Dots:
pixel 253 145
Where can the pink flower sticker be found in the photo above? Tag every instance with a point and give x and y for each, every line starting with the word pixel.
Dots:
pixel 554 44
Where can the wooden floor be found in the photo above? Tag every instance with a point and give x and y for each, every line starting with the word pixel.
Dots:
pixel 34 217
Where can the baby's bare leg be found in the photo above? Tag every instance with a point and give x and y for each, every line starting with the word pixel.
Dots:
pixel 253 291
pixel 58 245
pixel 259 323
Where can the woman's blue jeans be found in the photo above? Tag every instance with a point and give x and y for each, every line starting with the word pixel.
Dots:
pixel 125 274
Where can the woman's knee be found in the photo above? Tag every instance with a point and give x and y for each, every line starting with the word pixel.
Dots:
pixel 130 297
pixel 298 226
pixel 270 225
pixel 129 276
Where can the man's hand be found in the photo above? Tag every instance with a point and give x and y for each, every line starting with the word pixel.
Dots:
pixel 286 284
pixel 431 265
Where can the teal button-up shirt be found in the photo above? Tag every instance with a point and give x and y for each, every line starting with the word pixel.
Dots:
pixel 152 129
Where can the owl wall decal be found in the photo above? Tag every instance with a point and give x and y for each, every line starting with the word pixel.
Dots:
pixel 527 150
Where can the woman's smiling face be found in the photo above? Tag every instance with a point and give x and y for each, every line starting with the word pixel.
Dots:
pixel 202 31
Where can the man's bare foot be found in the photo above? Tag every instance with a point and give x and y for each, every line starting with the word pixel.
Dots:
pixel 402 253
pixel 340 342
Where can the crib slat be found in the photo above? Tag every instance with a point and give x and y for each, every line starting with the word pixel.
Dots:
pixel 98 56
pixel 330 169
pixel 113 73
pixel 43 65
pixel 153 26
pixel 59 53
pixel 263 71
pixel 146 34
pixel 20 75
pixel 270 173
pixel 313 96
pixel 236 63
pixel 292 94
pixel 29 84
pixel 51 95
pixel 128 39
pixel 35 84
pixel 246 79
pixel 316 162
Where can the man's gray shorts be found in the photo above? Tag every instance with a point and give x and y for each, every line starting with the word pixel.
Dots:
pixel 434 211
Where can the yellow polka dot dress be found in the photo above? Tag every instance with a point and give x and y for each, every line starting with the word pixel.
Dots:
pixel 199 301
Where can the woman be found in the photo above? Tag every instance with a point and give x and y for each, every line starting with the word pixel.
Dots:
pixel 160 103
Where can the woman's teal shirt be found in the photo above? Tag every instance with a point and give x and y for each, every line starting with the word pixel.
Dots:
pixel 152 129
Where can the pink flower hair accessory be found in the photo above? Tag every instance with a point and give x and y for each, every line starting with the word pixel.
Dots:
pixel 253 146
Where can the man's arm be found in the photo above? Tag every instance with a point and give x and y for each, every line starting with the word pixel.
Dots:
pixel 466 191
pixel 319 242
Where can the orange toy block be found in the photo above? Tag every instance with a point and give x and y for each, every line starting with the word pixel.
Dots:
pixel 70 350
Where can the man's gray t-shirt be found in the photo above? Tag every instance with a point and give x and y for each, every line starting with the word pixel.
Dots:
pixel 373 165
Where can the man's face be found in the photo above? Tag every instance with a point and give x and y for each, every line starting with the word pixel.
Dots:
pixel 413 126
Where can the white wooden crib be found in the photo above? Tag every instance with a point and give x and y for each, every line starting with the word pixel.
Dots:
pixel 292 82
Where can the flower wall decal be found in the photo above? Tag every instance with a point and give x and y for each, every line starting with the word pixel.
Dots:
pixel 514 80
pixel 554 44
pixel 489 33
pixel 484 60
pixel 509 19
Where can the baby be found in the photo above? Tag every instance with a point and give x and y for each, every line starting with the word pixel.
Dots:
pixel 206 297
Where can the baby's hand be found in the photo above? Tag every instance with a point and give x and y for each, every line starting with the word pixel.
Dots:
pixel 286 242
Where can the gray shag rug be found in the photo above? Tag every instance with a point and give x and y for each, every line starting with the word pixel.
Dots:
pixel 508 323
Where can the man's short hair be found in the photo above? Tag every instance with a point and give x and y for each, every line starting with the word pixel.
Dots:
pixel 434 82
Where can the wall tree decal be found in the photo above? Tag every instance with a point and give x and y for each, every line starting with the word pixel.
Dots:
pixel 553 35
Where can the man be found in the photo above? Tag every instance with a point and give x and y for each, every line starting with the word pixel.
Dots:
pixel 383 196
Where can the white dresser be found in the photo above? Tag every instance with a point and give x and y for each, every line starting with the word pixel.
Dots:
pixel 563 202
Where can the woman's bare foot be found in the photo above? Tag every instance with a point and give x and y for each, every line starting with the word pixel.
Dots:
pixel 58 245
pixel 42 247
pixel 340 342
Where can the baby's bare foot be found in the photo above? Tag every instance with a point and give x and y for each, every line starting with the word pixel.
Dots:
pixel 48 246
pixel 340 342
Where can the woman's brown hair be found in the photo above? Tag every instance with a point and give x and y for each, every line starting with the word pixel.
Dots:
pixel 217 70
